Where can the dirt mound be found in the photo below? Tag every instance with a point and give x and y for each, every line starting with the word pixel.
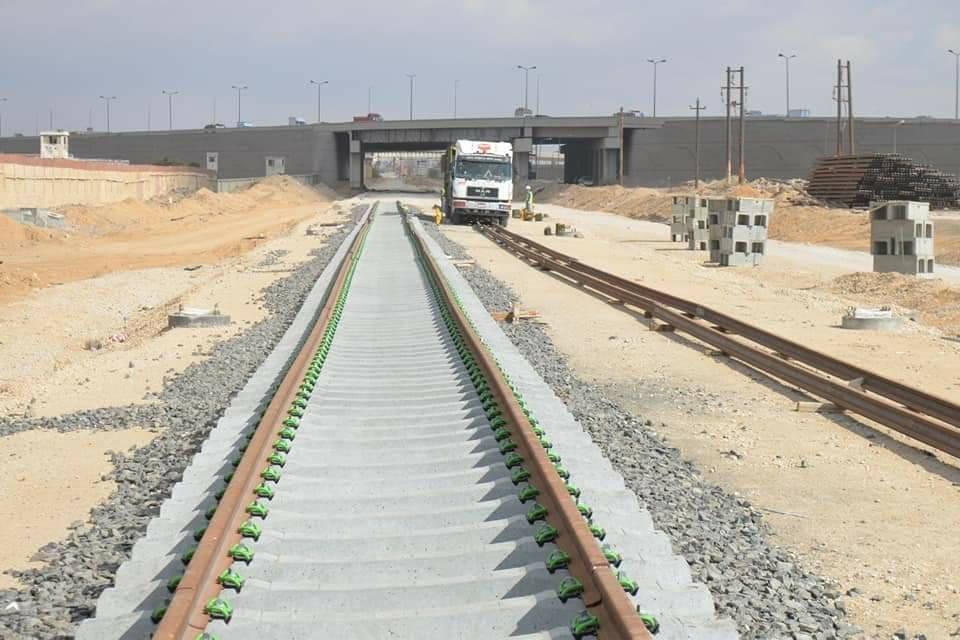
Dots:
pixel 937 303
pixel 14 234
pixel 646 204
pixel 839 228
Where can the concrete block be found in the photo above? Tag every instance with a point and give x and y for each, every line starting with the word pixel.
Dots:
pixel 191 318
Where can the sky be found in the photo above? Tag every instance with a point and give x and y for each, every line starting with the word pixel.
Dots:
pixel 61 55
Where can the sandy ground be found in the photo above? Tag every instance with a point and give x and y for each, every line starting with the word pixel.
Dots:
pixel 860 504
pixel 41 502
pixel 200 229
pixel 794 220
pixel 46 367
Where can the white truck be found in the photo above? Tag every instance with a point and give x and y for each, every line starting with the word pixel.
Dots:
pixel 477 182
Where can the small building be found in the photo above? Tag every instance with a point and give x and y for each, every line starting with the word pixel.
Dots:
pixel 742 235
pixel 55 144
pixel 901 238
pixel 275 165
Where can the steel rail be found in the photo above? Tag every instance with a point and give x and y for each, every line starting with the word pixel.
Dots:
pixel 919 418
pixel 185 617
pixel 603 595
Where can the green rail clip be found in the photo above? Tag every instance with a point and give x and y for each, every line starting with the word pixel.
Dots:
pixel 230 579
pixel 241 552
pixel 219 609
pixel 569 587
pixel 558 559
pixel 585 624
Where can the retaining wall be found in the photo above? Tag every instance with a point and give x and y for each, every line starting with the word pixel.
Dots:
pixel 34 182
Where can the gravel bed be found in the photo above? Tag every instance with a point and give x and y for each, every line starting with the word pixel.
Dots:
pixel 64 591
pixel 762 587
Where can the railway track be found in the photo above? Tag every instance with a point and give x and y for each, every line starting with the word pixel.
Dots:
pixel 927 418
pixel 400 477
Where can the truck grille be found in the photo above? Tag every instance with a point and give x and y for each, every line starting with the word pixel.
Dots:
pixel 490 193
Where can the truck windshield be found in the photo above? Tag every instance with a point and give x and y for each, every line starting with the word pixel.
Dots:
pixel 484 170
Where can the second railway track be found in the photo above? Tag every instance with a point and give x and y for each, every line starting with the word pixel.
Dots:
pixel 930 419
pixel 406 480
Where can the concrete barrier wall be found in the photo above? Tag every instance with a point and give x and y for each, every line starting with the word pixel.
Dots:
pixel 35 182
pixel 242 152
pixel 778 147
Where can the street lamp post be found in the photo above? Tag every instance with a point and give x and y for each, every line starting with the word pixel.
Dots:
pixel 170 95
pixel 526 86
pixel 896 125
pixel 108 99
pixel 319 84
pixel 787 58
pixel 2 100
pixel 411 76
pixel 956 84
pixel 455 83
pixel 369 99
pixel 239 88
pixel 655 62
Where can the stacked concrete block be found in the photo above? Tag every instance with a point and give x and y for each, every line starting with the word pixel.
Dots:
pixel 743 231
pixel 716 207
pixel 698 225
pixel 901 237
pixel 682 206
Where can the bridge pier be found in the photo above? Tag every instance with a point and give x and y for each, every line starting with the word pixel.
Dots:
pixel 356 164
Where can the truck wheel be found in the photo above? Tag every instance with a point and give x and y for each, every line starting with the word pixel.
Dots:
pixel 503 220
pixel 456 218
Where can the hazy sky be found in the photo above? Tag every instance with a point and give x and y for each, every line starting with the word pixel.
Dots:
pixel 63 54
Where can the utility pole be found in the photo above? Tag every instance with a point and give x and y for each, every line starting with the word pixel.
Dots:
pixel 725 92
pixel 696 179
pixel 621 147
pixel 787 59
pixel 455 83
pixel 741 173
pixel 956 83
pixel 108 99
pixel 2 100
pixel 655 62
pixel 319 84
pixel 844 81
pixel 369 99
pixel 170 95
pixel 411 76
pixel 526 86
pixel 149 105
pixel 240 89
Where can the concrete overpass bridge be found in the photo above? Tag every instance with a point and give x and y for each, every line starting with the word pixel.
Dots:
pixel 656 151
pixel 591 145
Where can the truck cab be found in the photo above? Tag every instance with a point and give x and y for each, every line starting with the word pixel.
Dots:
pixel 478 182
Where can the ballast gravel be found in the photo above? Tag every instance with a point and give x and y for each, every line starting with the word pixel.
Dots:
pixel 762 587
pixel 56 597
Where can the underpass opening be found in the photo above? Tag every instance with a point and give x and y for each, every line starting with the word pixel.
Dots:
pixel 416 171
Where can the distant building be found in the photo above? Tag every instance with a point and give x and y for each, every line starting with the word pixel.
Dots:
pixel 799 113
pixel 294 121
pixel 55 144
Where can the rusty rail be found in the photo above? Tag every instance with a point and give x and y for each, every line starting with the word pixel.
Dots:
pixel 915 413
pixel 603 596
pixel 185 618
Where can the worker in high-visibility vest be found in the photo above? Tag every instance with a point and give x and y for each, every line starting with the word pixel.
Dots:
pixel 529 202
